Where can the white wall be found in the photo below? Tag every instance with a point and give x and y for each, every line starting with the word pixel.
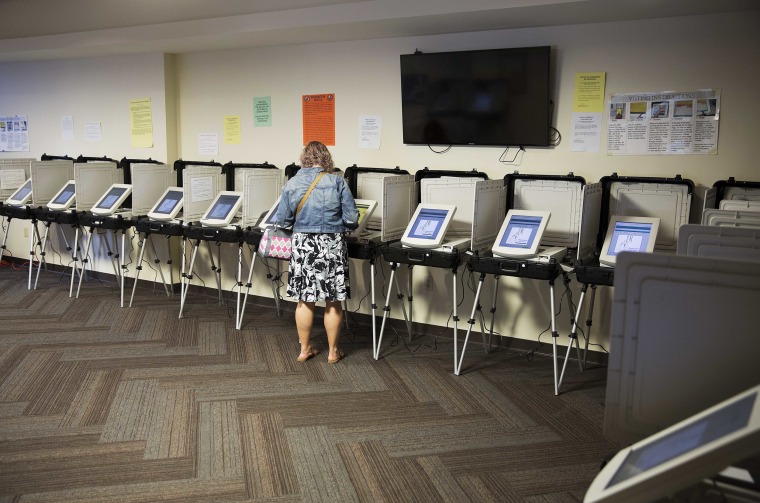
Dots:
pixel 718 51
pixel 89 90
pixel 687 53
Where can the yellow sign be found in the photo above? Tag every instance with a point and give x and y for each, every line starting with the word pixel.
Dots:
pixel 232 134
pixel 589 92
pixel 141 123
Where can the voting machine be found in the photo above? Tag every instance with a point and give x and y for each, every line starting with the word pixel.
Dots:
pixel 666 199
pixel 446 188
pixel 546 211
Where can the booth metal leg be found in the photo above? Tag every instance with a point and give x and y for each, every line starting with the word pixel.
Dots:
pixel 170 290
pixel 588 323
pixel 145 242
pixel 393 281
pixel 273 279
pixel 373 305
pixel 579 312
pixel 114 260
pixel 470 322
pixel 554 337
pixel 386 309
pixel 5 237
pixel 493 312
pixel 182 273
pixel 34 242
pixel 122 262
pixel 157 261
pixel 248 285
pixel 574 328
pixel 217 271
pixel 239 281
pixel 189 277
pixel 42 253
pixel 138 268
pixel 85 260
pixel 75 261
pixel 573 342
pixel 65 239
pixel 409 298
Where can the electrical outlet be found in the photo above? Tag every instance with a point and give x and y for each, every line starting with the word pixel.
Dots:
pixel 26 232
pixel 429 281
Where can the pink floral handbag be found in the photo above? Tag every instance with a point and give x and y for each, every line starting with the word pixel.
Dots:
pixel 276 241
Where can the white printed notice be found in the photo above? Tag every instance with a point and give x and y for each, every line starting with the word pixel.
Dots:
pixel 208 143
pixel 14 134
pixel 201 189
pixel 665 123
pixel 370 127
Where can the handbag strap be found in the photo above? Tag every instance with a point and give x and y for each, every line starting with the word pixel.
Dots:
pixel 313 184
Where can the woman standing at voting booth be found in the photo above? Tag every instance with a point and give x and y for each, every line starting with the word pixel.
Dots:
pixel 319 256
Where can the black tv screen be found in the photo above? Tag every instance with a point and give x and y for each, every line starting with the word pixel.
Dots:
pixel 497 97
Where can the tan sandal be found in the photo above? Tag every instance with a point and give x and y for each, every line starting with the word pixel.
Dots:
pixel 338 357
pixel 305 356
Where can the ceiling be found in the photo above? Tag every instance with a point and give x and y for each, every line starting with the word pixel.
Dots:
pixel 54 29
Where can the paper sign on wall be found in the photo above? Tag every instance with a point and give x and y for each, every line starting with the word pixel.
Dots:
pixel 664 123
pixel 208 143
pixel 318 118
pixel 588 108
pixel 262 111
pixel 141 123
pixel 92 131
pixel 232 135
pixel 370 127
pixel 14 134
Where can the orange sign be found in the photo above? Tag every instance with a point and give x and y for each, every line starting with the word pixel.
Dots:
pixel 318 118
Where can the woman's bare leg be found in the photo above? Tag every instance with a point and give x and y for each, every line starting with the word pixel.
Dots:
pixel 304 322
pixel 333 322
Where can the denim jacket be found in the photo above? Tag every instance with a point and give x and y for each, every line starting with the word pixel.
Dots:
pixel 329 209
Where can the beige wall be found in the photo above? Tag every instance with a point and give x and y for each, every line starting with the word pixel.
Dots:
pixel 718 52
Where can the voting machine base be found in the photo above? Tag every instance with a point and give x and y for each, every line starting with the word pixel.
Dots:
pixel 11 212
pixel 519 268
pixel 197 234
pixel 148 227
pixel 396 254
pixel 113 223
pixel 49 217
pixel 362 249
pixel 252 237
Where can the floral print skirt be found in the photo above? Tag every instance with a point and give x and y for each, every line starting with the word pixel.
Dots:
pixel 318 267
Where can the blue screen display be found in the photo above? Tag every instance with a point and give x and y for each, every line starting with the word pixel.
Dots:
pixel 169 202
pixel 521 232
pixel 428 224
pixel 222 207
pixel 720 423
pixel 629 237
pixel 23 192
pixel 110 199
pixel 65 194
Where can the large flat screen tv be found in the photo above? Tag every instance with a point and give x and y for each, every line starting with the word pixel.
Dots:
pixel 497 97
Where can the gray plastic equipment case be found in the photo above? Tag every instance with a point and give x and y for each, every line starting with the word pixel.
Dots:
pixel 683 337
pixel 668 199
pixel 563 196
pixel 731 189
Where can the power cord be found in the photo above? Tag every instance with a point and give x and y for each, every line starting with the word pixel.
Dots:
pixel 514 158
pixel 439 151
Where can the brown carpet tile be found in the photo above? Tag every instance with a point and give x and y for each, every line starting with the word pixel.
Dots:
pixel 100 403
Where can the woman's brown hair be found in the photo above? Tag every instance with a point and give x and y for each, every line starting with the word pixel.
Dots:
pixel 316 154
